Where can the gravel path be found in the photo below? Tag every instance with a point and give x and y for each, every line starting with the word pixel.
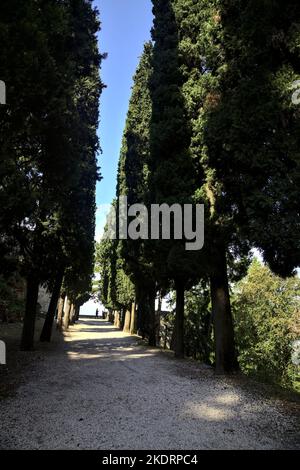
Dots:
pixel 101 389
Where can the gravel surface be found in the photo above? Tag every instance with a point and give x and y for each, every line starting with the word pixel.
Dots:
pixel 102 389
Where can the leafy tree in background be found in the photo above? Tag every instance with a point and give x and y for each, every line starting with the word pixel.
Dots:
pixel 198 324
pixel 266 310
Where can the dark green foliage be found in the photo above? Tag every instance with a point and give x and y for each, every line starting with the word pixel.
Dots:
pixel 11 298
pixel 198 324
pixel 134 182
pixel 134 173
pixel 174 177
pixel 251 128
pixel 50 63
pixel 116 291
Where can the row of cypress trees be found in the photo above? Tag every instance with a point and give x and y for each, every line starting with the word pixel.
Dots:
pixel 49 61
pixel 210 121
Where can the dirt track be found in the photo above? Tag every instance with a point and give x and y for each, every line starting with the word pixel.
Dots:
pixel 101 389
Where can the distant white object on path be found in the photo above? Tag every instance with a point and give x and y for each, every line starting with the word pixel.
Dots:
pixel 90 307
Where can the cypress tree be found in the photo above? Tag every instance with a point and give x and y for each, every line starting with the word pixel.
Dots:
pixel 173 174
pixel 134 183
pixel 49 160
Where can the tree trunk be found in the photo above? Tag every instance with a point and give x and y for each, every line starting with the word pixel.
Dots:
pixel 158 319
pixel 111 318
pixel 133 320
pixel 126 328
pixel 72 315
pixel 118 320
pixel 60 312
pixel 77 313
pixel 47 328
pixel 173 339
pixel 122 318
pixel 166 330
pixel 141 314
pixel 66 319
pixel 179 320
pixel 152 317
pixel 32 292
pixel 226 360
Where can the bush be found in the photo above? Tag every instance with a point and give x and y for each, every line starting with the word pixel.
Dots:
pixel 266 310
pixel 198 324
pixel 198 335
pixel 11 298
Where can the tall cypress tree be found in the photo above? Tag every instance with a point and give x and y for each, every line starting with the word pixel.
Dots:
pixel 173 174
pixel 134 183
pixel 51 71
pixel 198 23
pixel 77 208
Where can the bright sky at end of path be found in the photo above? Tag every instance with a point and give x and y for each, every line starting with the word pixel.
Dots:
pixel 125 27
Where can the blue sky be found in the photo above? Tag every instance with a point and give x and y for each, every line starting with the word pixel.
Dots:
pixel 126 26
